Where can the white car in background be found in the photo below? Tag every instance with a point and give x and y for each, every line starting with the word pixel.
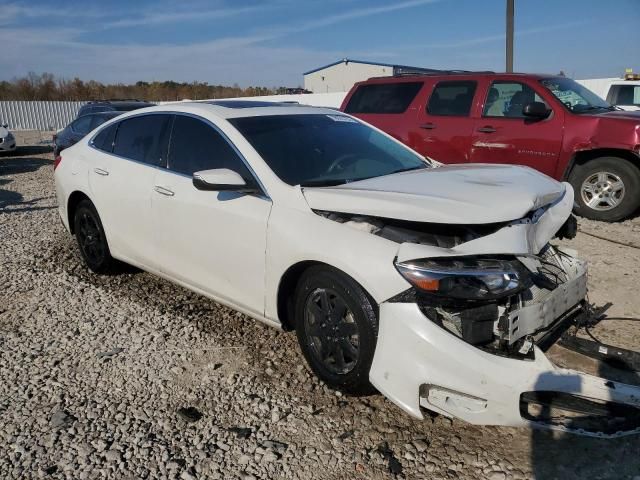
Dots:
pixel 7 140
pixel 624 94
pixel 438 286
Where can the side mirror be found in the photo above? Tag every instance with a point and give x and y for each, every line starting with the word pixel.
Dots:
pixel 535 110
pixel 222 180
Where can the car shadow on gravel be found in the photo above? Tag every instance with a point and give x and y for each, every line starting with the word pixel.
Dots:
pixel 16 164
pixel 27 150
pixel 571 456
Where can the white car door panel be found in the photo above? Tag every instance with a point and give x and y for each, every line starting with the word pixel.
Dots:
pixel 121 192
pixel 213 241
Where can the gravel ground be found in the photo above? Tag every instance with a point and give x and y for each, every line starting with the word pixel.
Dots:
pixel 129 376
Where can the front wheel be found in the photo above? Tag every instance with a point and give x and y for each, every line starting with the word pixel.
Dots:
pixel 606 188
pixel 91 238
pixel 337 327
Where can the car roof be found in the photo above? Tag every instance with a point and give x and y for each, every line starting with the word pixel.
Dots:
pixel 227 109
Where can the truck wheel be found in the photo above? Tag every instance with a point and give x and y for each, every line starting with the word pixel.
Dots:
pixel 606 188
pixel 337 326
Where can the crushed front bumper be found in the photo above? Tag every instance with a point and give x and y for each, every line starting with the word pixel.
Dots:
pixel 418 364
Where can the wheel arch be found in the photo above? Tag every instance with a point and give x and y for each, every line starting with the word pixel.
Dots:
pixel 72 203
pixel 288 283
pixel 582 157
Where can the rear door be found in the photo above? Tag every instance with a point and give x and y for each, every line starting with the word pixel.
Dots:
pixel 213 241
pixel 121 181
pixel 504 135
pixel 445 124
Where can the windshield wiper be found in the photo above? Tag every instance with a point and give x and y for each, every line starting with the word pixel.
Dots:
pixel 408 169
pixel 595 107
pixel 323 183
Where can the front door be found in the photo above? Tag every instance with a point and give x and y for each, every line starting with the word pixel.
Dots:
pixel 504 135
pixel 445 126
pixel 213 241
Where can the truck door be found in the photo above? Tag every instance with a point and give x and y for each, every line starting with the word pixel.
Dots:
pixel 504 135
pixel 445 125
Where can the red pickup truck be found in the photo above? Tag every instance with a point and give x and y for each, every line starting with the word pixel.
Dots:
pixel 549 123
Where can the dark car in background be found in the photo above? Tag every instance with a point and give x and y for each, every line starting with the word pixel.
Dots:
pixel 97 106
pixel 77 129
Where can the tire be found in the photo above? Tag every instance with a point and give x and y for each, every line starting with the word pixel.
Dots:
pixel 91 238
pixel 339 349
pixel 612 185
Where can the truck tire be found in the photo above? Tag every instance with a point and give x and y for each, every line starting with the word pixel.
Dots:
pixel 606 189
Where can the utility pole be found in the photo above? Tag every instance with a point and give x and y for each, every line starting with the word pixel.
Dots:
pixel 509 46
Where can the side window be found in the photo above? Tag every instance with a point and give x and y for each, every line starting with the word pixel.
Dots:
pixel 625 95
pixel 507 99
pixel 143 139
pixel 452 99
pixel 383 98
pixel 81 125
pixel 104 140
pixel 196 146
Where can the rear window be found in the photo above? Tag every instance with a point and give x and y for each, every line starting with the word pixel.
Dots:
pixel 452 99
pixel 104 140
pixel 383 98
pixel 144 138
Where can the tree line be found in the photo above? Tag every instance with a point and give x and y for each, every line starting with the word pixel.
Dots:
pixel 46 86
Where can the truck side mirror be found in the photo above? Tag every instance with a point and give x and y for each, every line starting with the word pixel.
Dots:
pixel 536 110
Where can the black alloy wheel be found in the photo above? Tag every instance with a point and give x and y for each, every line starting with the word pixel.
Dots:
pixel 91 238
pixel 337 327
pixel 332 330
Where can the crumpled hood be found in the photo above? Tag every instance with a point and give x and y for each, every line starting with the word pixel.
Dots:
pixel 460 194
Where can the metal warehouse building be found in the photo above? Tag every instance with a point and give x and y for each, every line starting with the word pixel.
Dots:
pixel 341 75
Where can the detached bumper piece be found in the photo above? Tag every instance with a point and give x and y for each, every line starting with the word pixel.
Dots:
pixel 581 415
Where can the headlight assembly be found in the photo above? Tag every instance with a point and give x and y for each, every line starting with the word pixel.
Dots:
pixel 465 278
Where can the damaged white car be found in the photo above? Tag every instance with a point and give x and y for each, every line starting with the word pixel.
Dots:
pixel 436 286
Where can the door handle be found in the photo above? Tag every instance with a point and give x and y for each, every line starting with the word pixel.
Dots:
pixel 163 191
pixel 428 126
pixel 100 171
pixel 487 129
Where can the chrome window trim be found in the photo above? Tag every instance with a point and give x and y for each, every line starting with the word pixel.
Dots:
pixel 166 169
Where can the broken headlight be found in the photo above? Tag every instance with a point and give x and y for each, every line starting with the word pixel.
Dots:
pixel 465 278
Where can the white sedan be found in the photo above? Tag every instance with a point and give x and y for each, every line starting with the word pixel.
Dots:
pixel 435 285
pixel 7 140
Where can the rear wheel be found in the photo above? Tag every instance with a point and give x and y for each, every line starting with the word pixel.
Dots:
pixel 336 325
pixel 606 188
pixel 91 238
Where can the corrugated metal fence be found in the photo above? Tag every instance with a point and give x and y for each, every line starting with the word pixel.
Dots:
pixel 23 115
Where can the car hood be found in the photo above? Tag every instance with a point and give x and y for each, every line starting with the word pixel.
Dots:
pixel 465 194
pixel 3 132
pixel 621 114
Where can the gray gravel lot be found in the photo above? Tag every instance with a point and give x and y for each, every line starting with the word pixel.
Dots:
pixel 129 376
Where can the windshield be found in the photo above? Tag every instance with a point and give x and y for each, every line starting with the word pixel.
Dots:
pixel 574 96
pixel 324 150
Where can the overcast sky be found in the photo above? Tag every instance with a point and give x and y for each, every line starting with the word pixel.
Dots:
pixel 270 43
